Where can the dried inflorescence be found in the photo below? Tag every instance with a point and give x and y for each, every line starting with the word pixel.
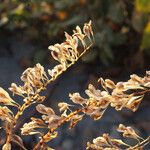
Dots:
pixel 121 95
pixel 128 94
pixel 37 78
pixel 105 142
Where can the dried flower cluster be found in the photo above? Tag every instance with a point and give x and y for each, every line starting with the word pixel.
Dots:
pixel 36 79
pixel 105 142
pixel 121 95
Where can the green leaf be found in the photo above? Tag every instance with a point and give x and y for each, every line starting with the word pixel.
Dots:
pixel 146 37
pixel 139 21
pixel 19 10
pixel 143 5
pixel 116 12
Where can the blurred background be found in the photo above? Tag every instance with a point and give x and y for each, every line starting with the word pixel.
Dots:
pixel 122 47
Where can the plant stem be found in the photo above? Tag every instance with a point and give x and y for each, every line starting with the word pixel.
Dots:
pixel 32 98
pixel 141 144
pixel 141 93
pixel 51 131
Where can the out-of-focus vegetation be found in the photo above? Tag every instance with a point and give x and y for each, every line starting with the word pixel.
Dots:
pixel 122 27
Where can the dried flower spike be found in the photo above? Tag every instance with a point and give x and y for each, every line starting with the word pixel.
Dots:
pixel 36 79
pixel 105 142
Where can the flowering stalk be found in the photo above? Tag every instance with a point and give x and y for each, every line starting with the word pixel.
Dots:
pixel 36 79
pixel 28 102
pixel 105 142
pixel 141 144
pixel 121 95
pixel 44 138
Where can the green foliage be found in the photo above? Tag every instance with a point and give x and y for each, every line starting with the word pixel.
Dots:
pixel 146 37
pixel 143 5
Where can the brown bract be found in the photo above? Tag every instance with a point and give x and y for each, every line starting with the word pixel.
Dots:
pixel 5 99
pixel 105 142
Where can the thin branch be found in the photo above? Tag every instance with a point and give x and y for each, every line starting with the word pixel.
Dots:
pixel 28 102
pixel 141 144
pixel 51 131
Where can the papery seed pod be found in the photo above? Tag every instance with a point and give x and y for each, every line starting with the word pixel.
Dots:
pixel 17 90
pixel 75 43
pixel 72 42
pixel 118 142
pixel 103 84
pixel 5 99
pixel 6 114
pixel 38 121
pixel 66 50
pixel 87 29
pixel 120 86
pixel 104 102
pixel 74 120
pixel 107 138
pixel 93 93
pixel 56 52
pixel 6 146
pixel 30 128
pixel 29 90
pixel 76 98
pixel 128 132
pixel 68 38
pixel 110 84
pixel 56 70
pixel 24 76
pixel 63 106
pixel 54 121
pixel 97 114
pixel 45 110
pixel 134 102
pixel 147 73
pixel 136 78
pixel 78 33
pixel 100 141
